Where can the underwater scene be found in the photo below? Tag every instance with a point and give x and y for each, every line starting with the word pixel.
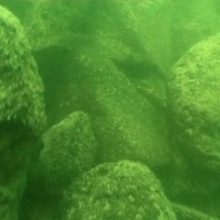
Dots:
pixel 109 109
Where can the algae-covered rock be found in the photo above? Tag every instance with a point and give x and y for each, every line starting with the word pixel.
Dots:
pixel 94 76
pixel 195 100
pixel 22 116
pixel 124 29
pixel 120 40
pixel 53 21
pixel 125 124
pixel 21 90
pixel 69 148
pixel 18 8
pixel 123 190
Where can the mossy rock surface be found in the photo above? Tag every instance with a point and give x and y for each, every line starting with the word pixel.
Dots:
pixel 125 124
pixel 124 29
pixel 195 101
pixel 22 116
pixel 21 90
pixel 123 190
pixel 69 148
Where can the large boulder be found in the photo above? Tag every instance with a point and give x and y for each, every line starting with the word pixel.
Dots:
pixel 94 75
pixel 22 117
pixel 194 99
pixel 69 148
pixel 127 33
pixel 124 29
pixel 125 124
pixel 21 91
pixel 123 190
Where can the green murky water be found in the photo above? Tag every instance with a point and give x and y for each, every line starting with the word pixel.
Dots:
pixel 109 109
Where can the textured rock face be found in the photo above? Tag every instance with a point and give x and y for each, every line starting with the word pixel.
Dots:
pixel 123 190
pixel 21 90
pixel 22 115
pixel 195 102
pixel 108 59
pixel 52 21
pixel 93 76
pixel 125 123
pixel 124 29
pixel 194 98
pixel 69 148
